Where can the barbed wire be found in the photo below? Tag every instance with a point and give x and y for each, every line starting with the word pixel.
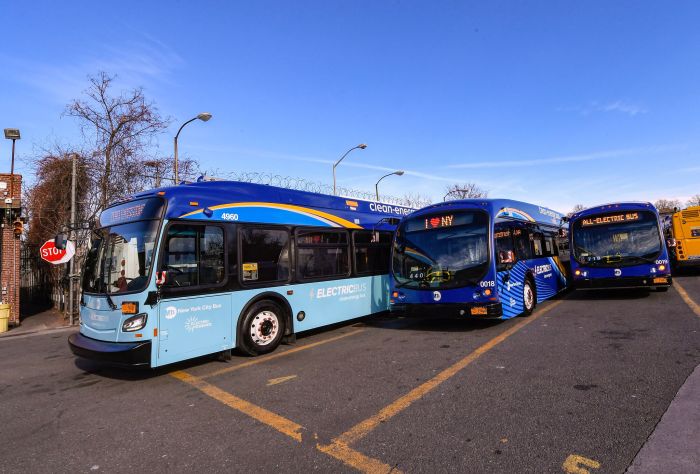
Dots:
pixel 303 184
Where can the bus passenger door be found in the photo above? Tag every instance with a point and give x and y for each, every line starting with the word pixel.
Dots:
pixel 194 313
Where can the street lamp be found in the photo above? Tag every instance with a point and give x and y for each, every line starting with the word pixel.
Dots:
pixel 376 185
pixel 14 135
pixel 204 116
pixel 361 146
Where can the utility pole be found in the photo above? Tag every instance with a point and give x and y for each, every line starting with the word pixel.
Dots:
pixel 73 239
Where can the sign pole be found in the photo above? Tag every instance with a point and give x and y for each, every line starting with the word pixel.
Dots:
pixel 71 292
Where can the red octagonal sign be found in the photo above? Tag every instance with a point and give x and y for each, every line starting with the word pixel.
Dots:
pixel 51 254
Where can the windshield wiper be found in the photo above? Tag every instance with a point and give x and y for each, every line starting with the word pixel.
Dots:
pixel 110 302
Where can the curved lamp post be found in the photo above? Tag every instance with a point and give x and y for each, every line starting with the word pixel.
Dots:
pixel 376 185
pixel 204 116
pixel 361 146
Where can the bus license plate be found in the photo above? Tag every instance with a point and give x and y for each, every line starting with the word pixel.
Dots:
pixel 479 311
pixel 660 280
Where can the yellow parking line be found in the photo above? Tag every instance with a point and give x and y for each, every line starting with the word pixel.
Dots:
pixel 277 355
pixel 283 425
pixel 280 423
pixel 363 428
pixel 686 297
pixel 359 461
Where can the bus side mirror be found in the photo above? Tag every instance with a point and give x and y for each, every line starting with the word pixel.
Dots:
pixel 60 241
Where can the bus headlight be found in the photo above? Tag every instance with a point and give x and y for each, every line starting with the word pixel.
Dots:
pixel 135 323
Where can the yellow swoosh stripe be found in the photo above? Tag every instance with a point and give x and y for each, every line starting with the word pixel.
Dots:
pixel 288 207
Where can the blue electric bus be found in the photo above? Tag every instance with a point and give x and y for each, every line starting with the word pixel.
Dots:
pixel 619 245
pixel 481 258
pixel 201 268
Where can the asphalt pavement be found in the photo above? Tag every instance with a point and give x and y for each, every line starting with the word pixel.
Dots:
pixel 579 386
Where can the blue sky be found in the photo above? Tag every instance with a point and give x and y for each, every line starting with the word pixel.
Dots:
pixel 556 102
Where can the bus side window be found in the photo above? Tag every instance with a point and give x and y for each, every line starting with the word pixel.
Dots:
pixel 537 248
pixel 523 250
pixel 264 255
pixel 211 256
pixel 505 250
pixel 372 252
pixel 194 255
pixel 322 254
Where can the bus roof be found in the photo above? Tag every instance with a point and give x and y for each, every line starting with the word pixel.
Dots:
pixel 250 202
pixel 504 208
pixel 614 206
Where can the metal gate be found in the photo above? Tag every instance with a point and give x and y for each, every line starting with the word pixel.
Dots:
pixel 38 287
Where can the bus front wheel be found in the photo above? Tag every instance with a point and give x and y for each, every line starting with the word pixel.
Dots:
pixel 263 328
pixel 529 298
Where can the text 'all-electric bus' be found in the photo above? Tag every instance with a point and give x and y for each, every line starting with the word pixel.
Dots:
pixel 483 258
pixel 206 267
pixel 683 232
pixel 619 245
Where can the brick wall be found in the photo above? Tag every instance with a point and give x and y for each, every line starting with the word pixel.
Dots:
pixel 9 276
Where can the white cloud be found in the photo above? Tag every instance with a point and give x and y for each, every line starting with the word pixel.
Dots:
pixel 616 106
pixel 136 62
pixel 617 153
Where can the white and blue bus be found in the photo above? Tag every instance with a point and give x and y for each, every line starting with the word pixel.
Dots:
pixel 202 268
pixel 476 258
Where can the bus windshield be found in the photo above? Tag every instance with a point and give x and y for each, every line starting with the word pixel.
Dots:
pixel 618 238
pixel 121 258
pixel 441 251
pixel 121 255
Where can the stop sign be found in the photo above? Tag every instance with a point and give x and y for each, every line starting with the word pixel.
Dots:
pixel 51 254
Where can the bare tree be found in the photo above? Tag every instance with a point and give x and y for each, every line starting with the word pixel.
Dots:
pixel 465 191
pixel 157 172
pixel 694 201
pixel 120 129
pixel 48 201
pixel 415 200
pixel 575 209
pixel 667 205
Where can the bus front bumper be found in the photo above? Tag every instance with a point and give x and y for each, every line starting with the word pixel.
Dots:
pixel 449 310
pixel 123 354
pixel 623 282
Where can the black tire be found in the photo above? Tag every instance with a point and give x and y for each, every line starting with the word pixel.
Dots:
pixel 529 297
pixel 262 328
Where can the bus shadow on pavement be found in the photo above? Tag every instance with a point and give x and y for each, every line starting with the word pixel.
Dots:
pixel 611 294
pixel 106 370
pixel 433 323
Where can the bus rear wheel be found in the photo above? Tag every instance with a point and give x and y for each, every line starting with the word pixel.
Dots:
pixel 529 298
pixel 263 328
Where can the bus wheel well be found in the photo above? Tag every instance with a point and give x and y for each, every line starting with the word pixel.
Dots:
pixel 275 298
pixel 531 277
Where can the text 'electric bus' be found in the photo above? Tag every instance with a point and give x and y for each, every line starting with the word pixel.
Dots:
pixel 206 267
pixel 483 258
pixel 619 245
pixel 684 234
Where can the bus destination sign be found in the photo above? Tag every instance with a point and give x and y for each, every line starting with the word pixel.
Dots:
pixel 611 219
pixel 151 208
pixel 437 222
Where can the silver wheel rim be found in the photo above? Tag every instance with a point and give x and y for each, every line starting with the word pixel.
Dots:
pixel 528 297
pixel 264 328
